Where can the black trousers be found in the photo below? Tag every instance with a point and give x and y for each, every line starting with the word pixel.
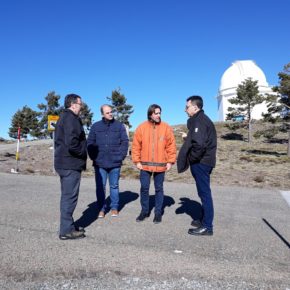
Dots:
pixel 70 185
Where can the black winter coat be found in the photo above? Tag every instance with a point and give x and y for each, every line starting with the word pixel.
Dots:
pixel 70 142
pixel 200 144
pixel 108 143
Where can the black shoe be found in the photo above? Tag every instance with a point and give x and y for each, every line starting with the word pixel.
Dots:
pixel 72 235
pixel 201 231
pixel 157 219
pixel 80 229
pixel 142 216
pixel 196 223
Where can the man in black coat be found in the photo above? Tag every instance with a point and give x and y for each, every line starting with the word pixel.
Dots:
pixel 69 161
pixel 199 153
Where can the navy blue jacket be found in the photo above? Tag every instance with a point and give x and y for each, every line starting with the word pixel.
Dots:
pixel 200 144
pixel 70 142
pixel 108 143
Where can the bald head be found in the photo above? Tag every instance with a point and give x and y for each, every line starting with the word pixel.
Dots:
pixel 106 111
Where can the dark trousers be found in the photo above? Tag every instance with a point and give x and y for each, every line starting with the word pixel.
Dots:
pixel 201 174
pixel 145 177
pixel 70 185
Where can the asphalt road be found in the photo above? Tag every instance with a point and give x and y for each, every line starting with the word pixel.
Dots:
pixel 249 249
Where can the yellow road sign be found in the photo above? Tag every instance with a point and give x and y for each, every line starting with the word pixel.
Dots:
pixel 52 120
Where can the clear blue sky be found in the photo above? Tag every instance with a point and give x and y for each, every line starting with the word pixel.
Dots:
pixel 156 51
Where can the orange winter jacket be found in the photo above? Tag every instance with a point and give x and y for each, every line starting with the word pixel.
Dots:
pixel 154 146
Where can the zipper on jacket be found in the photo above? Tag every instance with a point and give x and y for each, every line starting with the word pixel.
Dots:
pixel 153 139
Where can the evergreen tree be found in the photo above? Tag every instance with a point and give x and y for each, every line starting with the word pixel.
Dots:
pixel 247 97
pixel 51 107
pixel 121 109
pixel 27 120
pixel 86 116
pixel 279 104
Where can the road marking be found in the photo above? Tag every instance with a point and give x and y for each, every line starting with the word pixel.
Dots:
pixel 286 195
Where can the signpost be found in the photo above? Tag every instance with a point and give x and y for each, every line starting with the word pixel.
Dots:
pixel 17 153
pixel 51 123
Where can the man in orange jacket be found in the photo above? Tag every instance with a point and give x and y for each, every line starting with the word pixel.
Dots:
pixel 153 152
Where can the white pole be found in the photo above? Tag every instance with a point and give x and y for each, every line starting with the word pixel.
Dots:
pixel 53 170
pixel 17 149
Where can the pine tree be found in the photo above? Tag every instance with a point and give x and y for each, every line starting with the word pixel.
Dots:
pixel 121 109
pixel 51 107
pixel 247 98
pixel 279 104
pixel 86 116
pixel 27 120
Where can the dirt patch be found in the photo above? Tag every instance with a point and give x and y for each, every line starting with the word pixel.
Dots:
pixel 259 164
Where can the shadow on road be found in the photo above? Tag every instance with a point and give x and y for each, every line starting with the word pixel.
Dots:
pixel 167 202
pixel 91 213
pixel 190 207
pixel 277 233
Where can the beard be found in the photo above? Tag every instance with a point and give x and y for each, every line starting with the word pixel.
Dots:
pixel 156 121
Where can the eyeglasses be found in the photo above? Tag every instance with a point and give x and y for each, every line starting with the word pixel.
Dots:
pixel 187 107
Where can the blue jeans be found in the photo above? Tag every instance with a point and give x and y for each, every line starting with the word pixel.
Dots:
pixel 70 185
pixel 101 176
pixel 145 177
pixel 201 174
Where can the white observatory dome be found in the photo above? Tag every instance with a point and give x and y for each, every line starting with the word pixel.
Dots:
pixel 234 76
pixel 239 71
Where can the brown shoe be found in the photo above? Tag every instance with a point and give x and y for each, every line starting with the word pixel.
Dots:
pixel 101 214
pixel 114 213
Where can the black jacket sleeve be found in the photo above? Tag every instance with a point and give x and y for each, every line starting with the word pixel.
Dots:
pixel 196 138
pixel 74 136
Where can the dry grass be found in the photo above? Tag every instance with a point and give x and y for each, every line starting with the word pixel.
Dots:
pixel 259 164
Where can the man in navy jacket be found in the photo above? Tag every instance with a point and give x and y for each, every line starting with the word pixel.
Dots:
pixel 107 147
pixel 199 153
pixel 69 160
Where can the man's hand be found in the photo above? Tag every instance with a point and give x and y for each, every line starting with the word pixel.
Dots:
pixel 139 166
pixel 168 166
pixel 183 135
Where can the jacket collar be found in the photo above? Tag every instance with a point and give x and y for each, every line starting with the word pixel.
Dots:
pixel 71 112
pixel 194 117
pixel 108 122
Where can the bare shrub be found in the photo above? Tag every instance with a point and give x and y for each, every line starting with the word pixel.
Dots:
pixel 259 178
pixel 246 158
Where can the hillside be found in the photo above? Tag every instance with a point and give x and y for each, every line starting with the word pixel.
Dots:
pixel 260 164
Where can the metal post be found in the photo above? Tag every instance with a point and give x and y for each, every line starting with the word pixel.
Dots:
pixel 53 170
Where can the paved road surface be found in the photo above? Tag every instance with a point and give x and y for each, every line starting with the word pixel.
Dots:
pixel 249 250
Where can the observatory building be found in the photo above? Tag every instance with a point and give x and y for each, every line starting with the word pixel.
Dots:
pixel 234 76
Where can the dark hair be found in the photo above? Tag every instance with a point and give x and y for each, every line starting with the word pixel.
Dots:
pixel 70 99
pixel 151 110
pixel 196 100
pixel 105 105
